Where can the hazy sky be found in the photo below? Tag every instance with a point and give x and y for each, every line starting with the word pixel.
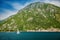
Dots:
pixel 11 7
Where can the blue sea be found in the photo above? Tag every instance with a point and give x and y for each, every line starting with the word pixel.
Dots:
pixel 30 36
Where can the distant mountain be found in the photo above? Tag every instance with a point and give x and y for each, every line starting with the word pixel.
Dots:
pixel 33 17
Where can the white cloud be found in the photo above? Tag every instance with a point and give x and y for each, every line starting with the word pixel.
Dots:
pixel 57 3
pixel 54 2
pixel 18 6
pixel 7 13
pixel 47 1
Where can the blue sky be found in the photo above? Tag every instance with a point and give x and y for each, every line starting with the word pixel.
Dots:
pixel 11 7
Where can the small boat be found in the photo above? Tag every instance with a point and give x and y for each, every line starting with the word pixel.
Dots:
pixel 18 31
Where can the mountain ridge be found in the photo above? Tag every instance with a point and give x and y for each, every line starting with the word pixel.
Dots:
pixel 33 17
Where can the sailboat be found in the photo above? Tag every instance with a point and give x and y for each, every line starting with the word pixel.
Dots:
pixel 18 31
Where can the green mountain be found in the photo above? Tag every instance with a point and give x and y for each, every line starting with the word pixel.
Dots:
pixel 33 17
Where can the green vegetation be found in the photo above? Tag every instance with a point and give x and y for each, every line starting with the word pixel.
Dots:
pixel 33 17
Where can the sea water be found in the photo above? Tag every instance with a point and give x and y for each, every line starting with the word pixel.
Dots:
pixel 29 36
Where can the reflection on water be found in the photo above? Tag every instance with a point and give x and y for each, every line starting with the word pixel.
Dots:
pixel 29 36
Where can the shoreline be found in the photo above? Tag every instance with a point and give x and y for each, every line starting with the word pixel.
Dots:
pixel 36 30
pixel 39 30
